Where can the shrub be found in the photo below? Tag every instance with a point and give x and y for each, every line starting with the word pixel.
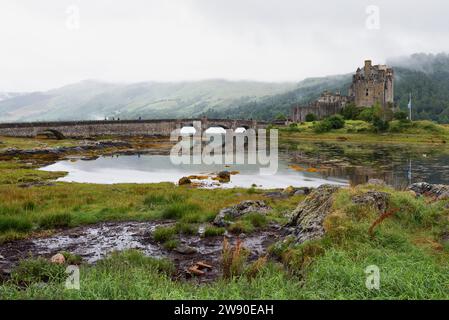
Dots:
pixel 178 210
pixel 400 115
pixel 8 223
pixel 336 122
pixel 256 219
pixel 380 125
pixel 123 260
pixel 310 117
pixel 366 114
pixel 171 244
pixel 233 259
pixel 37 270
pixel 163 234
pixel 281 116
pixel 71 258
pixel 154 200
pixel 241 226
pixel 321 127
pixel 186 228
pixel 58 220
pixel 333 122
pixel 350 112
pixel 212 231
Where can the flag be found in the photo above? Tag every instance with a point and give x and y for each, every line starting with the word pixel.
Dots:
pixel 410 103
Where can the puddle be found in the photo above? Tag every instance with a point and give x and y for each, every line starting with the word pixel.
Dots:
pixel 95 242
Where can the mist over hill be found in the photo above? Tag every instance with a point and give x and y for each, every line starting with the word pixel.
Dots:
pixel 93 100
pixel 426 76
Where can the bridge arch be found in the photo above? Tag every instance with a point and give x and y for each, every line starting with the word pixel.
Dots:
pixel 50 134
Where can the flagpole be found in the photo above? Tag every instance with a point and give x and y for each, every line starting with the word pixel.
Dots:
pixel 410 106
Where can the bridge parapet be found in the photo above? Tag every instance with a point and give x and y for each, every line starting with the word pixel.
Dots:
pixel 83 129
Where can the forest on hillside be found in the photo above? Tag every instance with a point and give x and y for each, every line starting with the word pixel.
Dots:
pixel 425 76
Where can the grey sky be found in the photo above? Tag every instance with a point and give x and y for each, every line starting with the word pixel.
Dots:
pixel 172 40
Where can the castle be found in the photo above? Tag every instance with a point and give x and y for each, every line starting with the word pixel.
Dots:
pixel 370 85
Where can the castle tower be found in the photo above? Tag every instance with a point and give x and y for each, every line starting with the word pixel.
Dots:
pixel 374 85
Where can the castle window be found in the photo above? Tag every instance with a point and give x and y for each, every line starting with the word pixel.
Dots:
pixel 367 92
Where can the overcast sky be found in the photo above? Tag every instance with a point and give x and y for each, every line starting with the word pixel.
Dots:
pixel 50 43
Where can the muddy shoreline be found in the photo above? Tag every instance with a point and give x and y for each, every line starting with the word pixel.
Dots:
pixel 94 242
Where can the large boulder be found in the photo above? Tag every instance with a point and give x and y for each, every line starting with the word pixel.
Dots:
pixel 438 191
pixel 306 220
pixel 239 210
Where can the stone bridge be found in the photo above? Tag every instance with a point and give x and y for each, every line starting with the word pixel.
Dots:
pixel 84 129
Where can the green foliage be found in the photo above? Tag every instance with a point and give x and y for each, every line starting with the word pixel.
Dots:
pixel 55 220
pixel 186 228
pixel 310 117
pixel 12 223
pixel 281 116
pixel 163 234
pixel 241 226
pixel 37 270
pixel 212 231
pixel 72 259
pixel 351 112
pixel 380 125
pixel 256 219
pixel 328 124
pixel 179 210
pixel 157 199
pixel 171 244
pixel 400 115
pixel 366 114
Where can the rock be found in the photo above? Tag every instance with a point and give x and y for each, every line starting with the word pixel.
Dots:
pixel 239 210
pixel 184 249
pixel 224 176
pixel 289 191
pixel 438 191
pixel 302 191
pixel 376 199
pixel 276 195
pixel 58 259
pixel 184 181
pixel 306 220
pixel 377 182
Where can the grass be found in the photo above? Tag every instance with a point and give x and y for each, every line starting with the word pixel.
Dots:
pixel 212 231
pixel 409 247
pixel 163 234
pixel 417 132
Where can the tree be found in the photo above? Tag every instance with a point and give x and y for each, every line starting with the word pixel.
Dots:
pixel 400 115
pixel 350 112
pixel 310 117
pixel 366 114
pixel 281 116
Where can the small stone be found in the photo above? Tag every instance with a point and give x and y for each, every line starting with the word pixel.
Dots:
pixel 58 259
pixel 186 250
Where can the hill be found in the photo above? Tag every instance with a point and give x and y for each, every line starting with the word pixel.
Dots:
pixel 426 76
pixel 97 100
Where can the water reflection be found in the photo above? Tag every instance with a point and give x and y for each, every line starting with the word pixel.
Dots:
pixel 398 165
pixel 300 164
